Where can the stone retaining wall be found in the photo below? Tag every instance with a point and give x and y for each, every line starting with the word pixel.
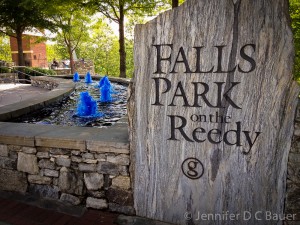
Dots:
pixel 44 82
pixel 292 205
pixel 97 180
pixel 8 78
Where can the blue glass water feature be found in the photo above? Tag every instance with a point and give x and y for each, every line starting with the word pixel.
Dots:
pixel 105 90
pixel 87 106
pixel 88 78
pixel 104 80
pixel 76 77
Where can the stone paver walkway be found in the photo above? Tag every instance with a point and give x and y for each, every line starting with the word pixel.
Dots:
pixel 13 93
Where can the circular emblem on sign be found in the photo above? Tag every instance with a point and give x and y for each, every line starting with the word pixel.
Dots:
pixel 192 168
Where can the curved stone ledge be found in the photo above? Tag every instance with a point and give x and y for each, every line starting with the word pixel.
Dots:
pixel 63 89
pixel 112 139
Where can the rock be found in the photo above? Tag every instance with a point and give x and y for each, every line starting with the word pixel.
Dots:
pixel 108 168
pixel 77 159
pixel 37 179
pixel 128 210
pixel 27 163
pixel 58 151
pixel 90 161
pixel 77 153
pixel 3 151
pixel 97 194
pixel 70 199
pixel 121 182
pixel 13 155
pixel 46 164
pixel 43 155
pixel 119 196
pixel 70 182
pixel 124 170
pixel 88 156
pixel 8 163
pixel 28 150
pixel 84 167
pixel 55 181
pixel 51 173
pixel 165 96
pixel 294 157
pixel 13 181
pixel 44 191
pixel 96 203
pixel 93 181
pixel 100 157
pixel 15 148
pixel 121 159
pixel 61 161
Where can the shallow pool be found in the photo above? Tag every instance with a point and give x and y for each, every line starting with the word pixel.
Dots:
pixel 64 113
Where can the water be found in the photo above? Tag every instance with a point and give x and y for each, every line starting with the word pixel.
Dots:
pixel 64 113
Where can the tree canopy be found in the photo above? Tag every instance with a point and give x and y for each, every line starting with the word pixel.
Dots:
pixel 295 17
pixel 19 16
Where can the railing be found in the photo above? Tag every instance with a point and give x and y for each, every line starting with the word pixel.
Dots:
pixel 22 70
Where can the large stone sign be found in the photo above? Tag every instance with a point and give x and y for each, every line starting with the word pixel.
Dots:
pixel 211 113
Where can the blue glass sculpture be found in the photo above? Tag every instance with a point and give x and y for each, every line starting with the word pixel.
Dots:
pixel 105 90
pixel 88 78
pixel 87 106
pixel 76 77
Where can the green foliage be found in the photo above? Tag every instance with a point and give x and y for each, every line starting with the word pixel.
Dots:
pixel 36 71
pixel 295 16
pixel 101 47
pixel 4 70
pixel 5 53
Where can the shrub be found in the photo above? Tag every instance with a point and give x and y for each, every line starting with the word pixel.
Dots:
pixel 4 70
pixel 31 71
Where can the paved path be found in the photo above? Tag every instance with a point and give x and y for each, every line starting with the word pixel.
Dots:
pixel 13 93
pixel 17 213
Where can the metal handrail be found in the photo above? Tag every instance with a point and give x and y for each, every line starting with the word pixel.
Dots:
pixel 29 69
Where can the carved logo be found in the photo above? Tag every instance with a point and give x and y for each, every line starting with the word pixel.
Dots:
pixel 192 168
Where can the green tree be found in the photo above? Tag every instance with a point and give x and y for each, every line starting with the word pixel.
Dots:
pixel 295 16
pixel 5 53
pixel 73 22
pixel 18 16
pixel 116 11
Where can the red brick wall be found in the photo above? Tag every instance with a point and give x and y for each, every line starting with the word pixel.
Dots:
pixel 34 53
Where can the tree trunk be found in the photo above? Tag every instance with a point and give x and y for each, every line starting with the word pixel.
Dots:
pixel 21 61
pixel 175 4
pixel 122 44
pixel 71 59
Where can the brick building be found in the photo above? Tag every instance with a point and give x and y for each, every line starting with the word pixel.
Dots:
pixel 34 51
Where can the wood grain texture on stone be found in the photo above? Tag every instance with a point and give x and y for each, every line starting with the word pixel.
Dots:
pixel 213 81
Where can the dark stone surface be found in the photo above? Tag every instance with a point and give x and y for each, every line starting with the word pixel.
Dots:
pixel 13 181
pixel 51 204
pixel 134 220
pixel 119 196
pixel 127 210
pixel 46 164
pixel 58 151
pixel 8 163
pixel 108 168
pixel 44 191
pixel 71 182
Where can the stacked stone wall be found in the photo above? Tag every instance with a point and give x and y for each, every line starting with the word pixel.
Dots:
pixel 96 180
pixel 292 205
